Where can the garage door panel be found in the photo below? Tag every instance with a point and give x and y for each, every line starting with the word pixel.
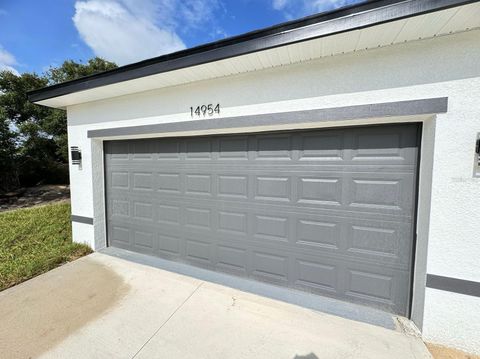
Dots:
pixel 143 211
pixel 118 151
pixel 316 275
pixel 167 150
pixel 382 192
pixel 143 150
pixel 271 227
pixel 374 193
pixel 233 148
pixel 233 222
pixel 169 182
pixel 386 288
pixel 143 239
pixel 369 146
pixel 370 285
pixel 328 211
pixel 386 193
pixel 379 241
pixel 197 250
pixel 384 145
pixel 294 167
pixel 114 242
pixel 322 233
pixel 198 148
pixel 143 181
pixel 198 184
pixel 119 208
pixel 364 210
pixel 367 238
pixel 273 147
pixel 340 252
pixel 119 234
pixel 232 258
pixel 119 179
pixel 234 185
pixel 198 218
pixel 270 266
pixel 170 245
pixel 323 189
pixel 322 147
pixel 169 214
pixel 272 187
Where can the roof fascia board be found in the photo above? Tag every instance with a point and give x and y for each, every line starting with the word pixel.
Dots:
pixel 339 21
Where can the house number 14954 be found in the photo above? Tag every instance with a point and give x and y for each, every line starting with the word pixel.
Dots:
pixel 205 110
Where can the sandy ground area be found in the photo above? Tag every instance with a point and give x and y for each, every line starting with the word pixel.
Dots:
pixel 33 196
pixel 440 352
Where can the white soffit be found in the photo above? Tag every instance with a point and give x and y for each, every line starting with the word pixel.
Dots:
pixel 454 20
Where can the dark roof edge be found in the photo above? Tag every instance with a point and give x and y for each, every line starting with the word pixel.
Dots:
pixel 350 18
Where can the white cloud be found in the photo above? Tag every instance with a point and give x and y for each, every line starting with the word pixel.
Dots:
pixel 279 4
pixel 325 5
pixel 298 8
pixel 7 61
pixel 122 34
pixel 195 13
pixel 126 31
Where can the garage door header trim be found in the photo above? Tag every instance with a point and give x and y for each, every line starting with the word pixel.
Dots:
pixel 357 112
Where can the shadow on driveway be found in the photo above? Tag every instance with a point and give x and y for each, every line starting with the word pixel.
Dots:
pixel 308 356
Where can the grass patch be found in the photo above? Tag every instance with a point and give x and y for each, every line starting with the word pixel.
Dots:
pixel 34 241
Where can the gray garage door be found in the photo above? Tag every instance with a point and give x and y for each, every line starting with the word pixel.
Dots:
pixel 325 211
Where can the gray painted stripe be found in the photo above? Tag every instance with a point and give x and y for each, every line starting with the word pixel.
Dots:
pixel 80 219
pixel 455 285
pixel 388 109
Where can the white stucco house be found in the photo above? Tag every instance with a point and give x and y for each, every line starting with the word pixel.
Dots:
pixel 336 155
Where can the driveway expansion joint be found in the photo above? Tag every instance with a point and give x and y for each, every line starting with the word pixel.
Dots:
pixel 167 320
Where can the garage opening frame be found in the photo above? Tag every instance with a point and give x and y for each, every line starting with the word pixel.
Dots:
pixel 426 122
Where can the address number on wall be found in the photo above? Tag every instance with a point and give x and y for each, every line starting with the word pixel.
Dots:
pixel 205 110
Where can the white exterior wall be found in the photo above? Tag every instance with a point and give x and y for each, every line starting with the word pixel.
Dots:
pixel 446 66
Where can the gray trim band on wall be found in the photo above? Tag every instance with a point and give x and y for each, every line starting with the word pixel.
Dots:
pixel 388 109
pixel 80 219
pixel 455 285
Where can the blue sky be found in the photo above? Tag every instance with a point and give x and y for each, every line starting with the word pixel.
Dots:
pixel 37 34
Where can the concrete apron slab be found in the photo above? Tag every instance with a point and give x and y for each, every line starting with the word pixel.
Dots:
pixel 103 307
pixel 323 304
pixel 219 322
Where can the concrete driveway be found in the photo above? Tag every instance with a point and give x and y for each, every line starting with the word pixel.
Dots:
pixel 105 307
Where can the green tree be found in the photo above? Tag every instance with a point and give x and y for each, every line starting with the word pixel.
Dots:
pixel 71 70
pixel 38 134
pixel 8 169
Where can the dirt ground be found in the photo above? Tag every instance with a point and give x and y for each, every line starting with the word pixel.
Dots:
pixel 34 196
pixel 440 352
